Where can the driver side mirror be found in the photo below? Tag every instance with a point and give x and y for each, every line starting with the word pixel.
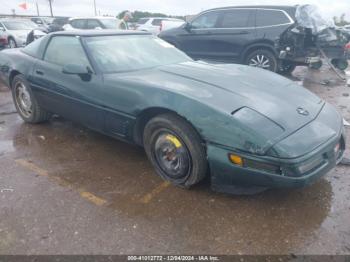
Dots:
pixel 84 72
pixel 188 27
pixel 2 29
pixel 74 69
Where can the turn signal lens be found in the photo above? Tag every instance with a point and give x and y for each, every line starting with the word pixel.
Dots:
pixel 237 160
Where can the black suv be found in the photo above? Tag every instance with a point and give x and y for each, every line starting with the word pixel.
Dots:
pixel 249 35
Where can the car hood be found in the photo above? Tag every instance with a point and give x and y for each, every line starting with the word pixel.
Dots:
pixel 229 88
pixel 19 33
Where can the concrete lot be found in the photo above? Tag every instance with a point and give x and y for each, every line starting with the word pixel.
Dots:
pixel 68 190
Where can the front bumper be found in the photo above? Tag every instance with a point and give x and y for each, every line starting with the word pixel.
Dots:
pixel 225 176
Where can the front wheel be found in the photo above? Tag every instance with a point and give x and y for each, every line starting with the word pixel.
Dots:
pixel 25 102
pixel 175 150
pixel 262 58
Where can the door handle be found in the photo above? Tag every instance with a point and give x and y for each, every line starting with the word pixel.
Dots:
pixel 243 32
pixel 39 72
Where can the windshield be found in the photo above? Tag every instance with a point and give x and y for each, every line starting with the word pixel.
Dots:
pixel 121 53
pixel 19 25
pixel 110 23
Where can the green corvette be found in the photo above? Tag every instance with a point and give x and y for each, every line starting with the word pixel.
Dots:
pixel 240 125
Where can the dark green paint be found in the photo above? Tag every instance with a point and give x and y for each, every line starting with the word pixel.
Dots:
pixel 208 96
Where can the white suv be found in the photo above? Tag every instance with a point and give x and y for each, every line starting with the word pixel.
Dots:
pixel 153 24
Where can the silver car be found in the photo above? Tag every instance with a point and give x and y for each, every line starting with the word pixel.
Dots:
pixel 17 31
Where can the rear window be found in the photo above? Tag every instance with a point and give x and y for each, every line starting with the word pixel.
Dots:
pixel 157 22
pixel 142 21
pixel 271 17
pixel 92 24
pixel 110 23
pixel 238 18
pixel 60 21
pixel 33 48
pixel 79 23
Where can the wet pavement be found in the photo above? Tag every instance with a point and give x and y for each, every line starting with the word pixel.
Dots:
pixel 67 190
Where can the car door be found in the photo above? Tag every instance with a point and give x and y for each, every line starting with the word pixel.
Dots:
pixel 234 32
pixel 75 97
pixel 198 38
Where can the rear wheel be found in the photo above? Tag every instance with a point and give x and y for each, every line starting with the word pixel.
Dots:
pixel 262 58
pixel 341 64
pixel 175 150
pixel 25 102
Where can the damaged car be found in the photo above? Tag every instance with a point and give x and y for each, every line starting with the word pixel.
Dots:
pixel 276 38
pixel 311 39
pixel 193 119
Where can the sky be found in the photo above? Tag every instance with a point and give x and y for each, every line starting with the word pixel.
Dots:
pixel 170 7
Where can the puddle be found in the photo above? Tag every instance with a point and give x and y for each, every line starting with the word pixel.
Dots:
pixel 6 147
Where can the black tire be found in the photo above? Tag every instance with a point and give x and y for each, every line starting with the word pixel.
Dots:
pixel 188 150
pixel 258 58
pixel 31 112
pixel 286 67
pixel 12 42
pixel 341 64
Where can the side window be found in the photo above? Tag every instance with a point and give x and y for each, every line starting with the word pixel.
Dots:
pixel 79 23
pixel 207 20
pixel 142 21
pixel 238 18
pixel 92 24
pixel 271 17
pixel 63 50
pixel 156 22
pixel 33 48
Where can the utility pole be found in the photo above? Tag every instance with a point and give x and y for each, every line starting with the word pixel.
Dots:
pixel 50 2
pixel 95 7
pixel 37 8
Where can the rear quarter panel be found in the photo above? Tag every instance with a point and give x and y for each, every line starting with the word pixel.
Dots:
pixel 14 61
